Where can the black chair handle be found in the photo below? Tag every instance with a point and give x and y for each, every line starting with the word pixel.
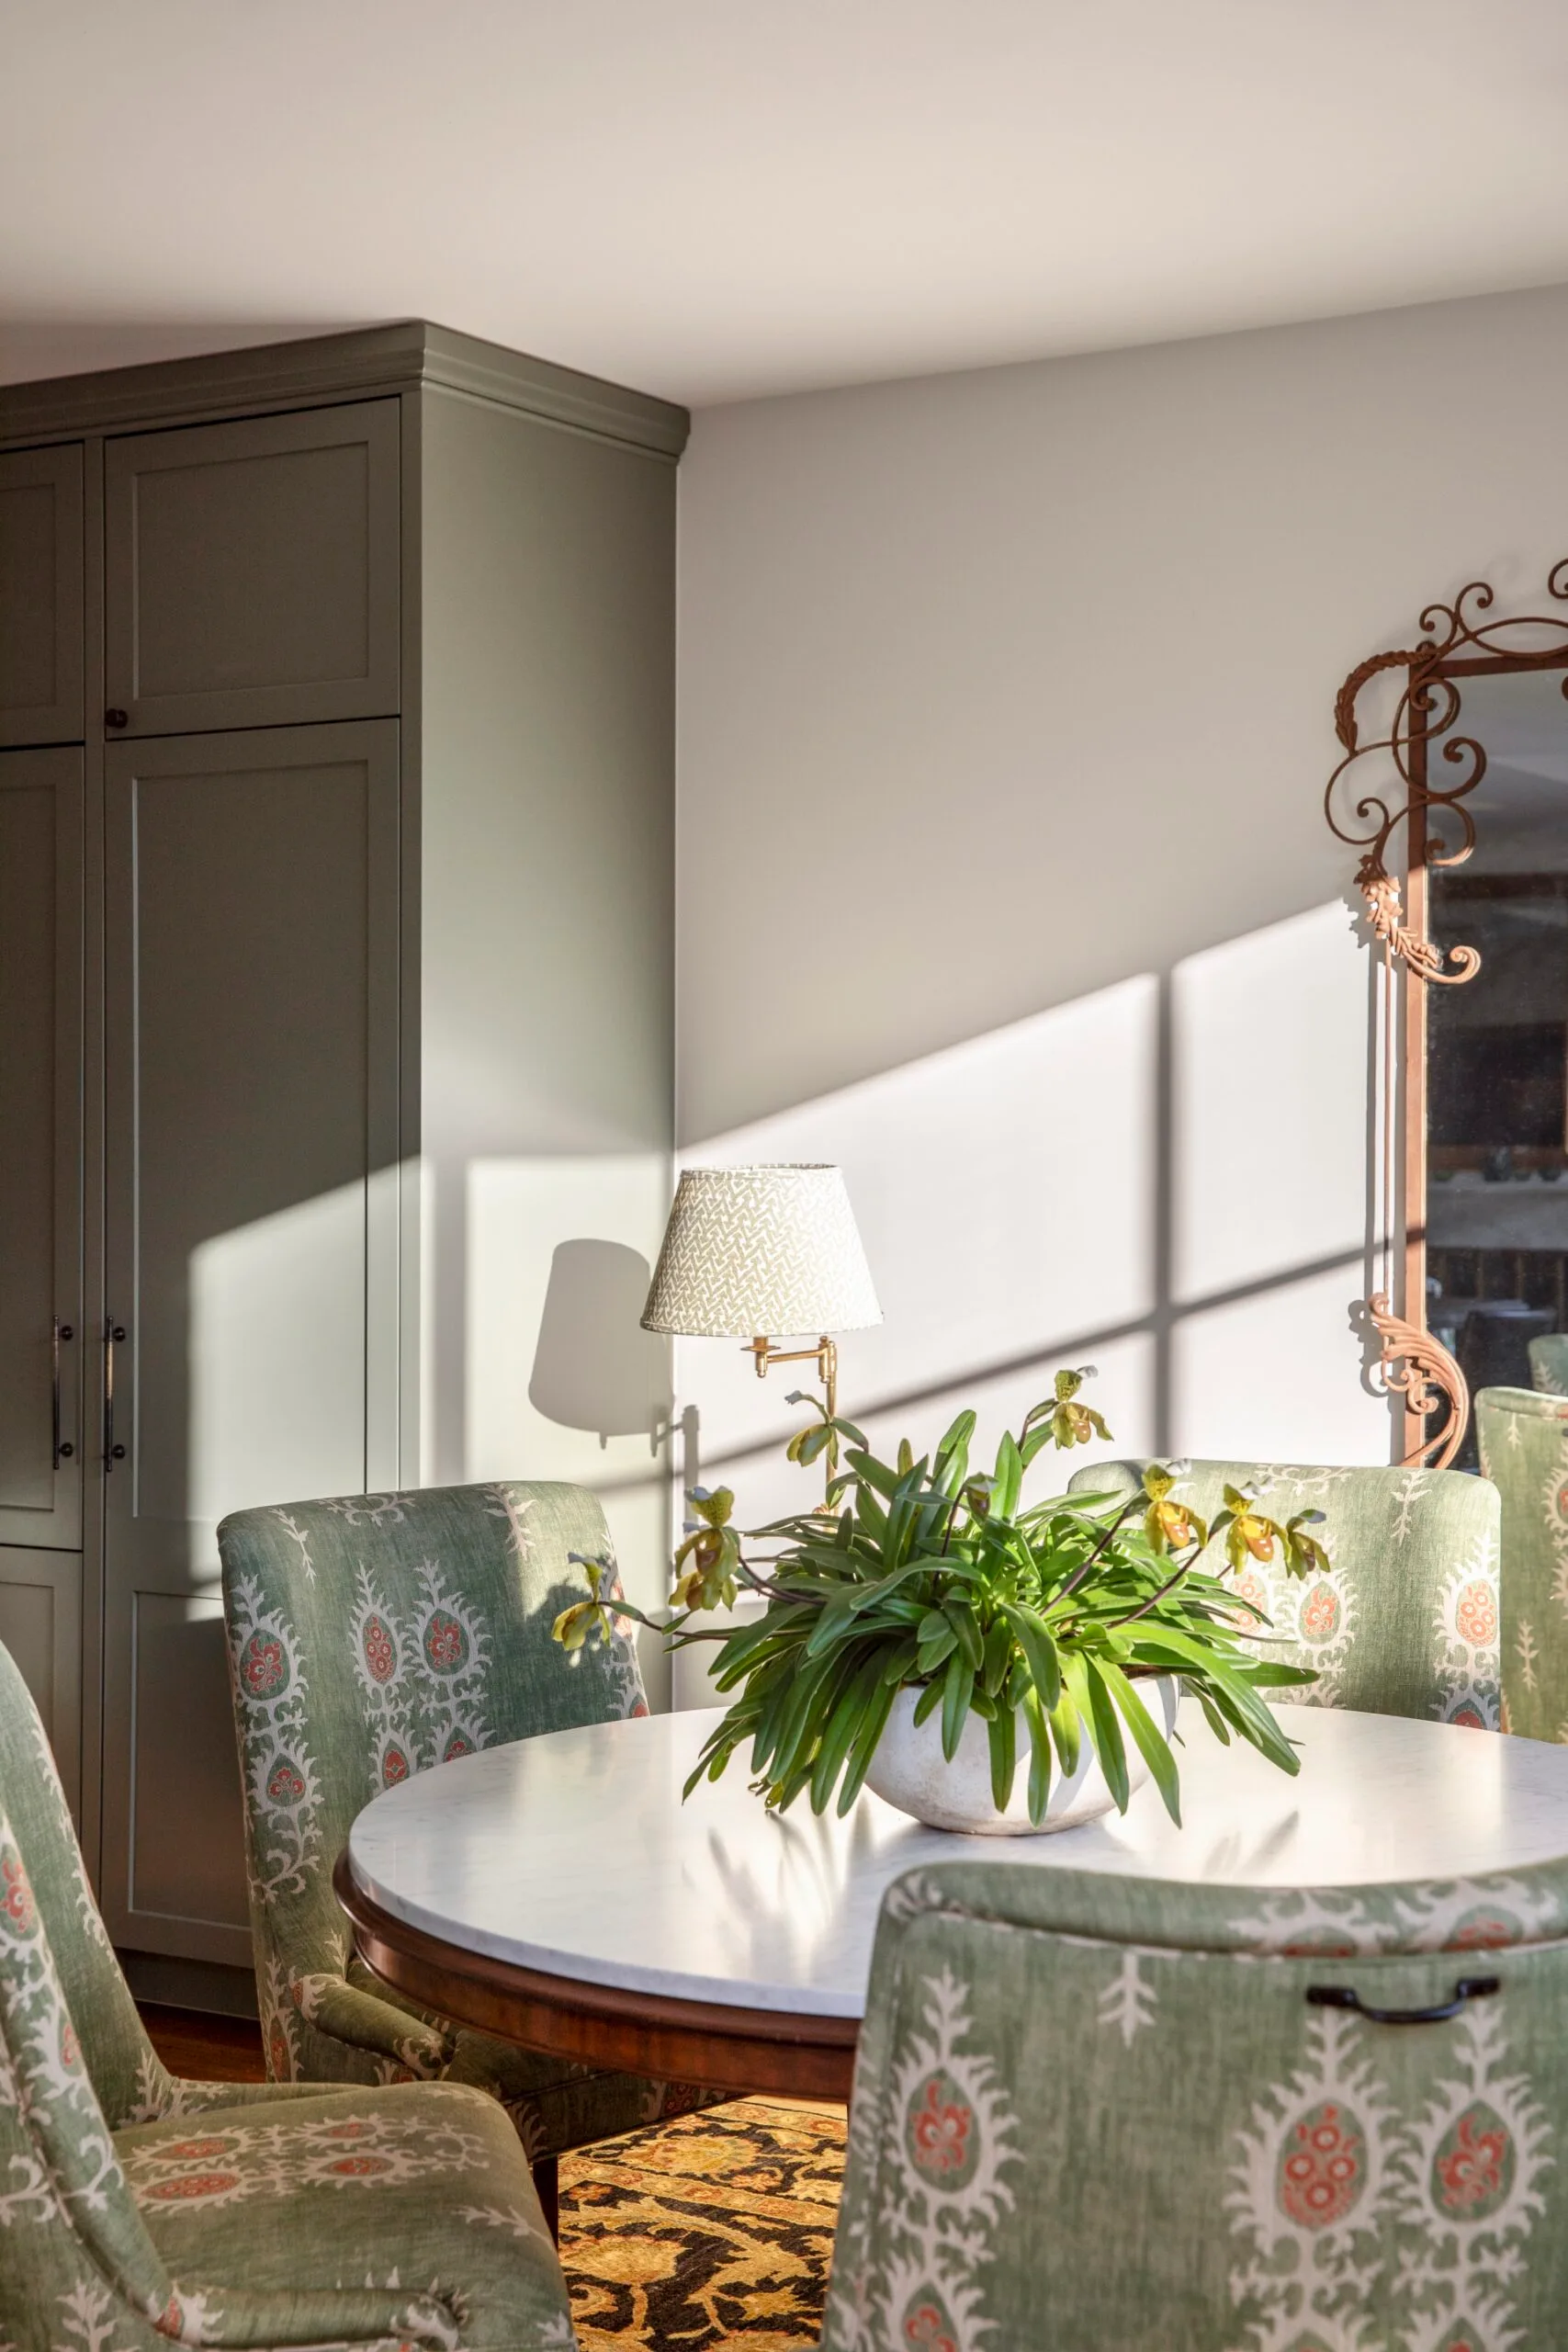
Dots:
pixel 1344 1997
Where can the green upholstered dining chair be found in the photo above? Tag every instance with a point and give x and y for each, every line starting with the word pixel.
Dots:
pixel 1549 1363
pixel 1406 1621
pixel 1099 2113
pixel 1523 1436
pixel 136 2208
pixel 372 1636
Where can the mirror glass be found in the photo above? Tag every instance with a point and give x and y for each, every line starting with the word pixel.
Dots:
pixel 1497 1067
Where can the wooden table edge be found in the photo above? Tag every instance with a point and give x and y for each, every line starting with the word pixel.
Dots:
pixel 706 2043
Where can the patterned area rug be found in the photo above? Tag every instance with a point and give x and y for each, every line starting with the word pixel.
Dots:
pixel 710 2232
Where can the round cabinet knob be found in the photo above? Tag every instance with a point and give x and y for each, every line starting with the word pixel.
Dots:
pixel 118 1454
pixel 66 1450
pixel 116 718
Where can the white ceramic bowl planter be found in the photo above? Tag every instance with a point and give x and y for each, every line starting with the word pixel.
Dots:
pixel 910 1771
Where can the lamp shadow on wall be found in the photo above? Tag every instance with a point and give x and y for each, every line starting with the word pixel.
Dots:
pixel 594 1367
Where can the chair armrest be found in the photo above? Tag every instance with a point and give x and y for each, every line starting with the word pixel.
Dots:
pixel 331 2316
pixel 362 2019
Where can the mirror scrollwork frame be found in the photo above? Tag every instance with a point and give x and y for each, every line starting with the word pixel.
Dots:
pixel 1417 778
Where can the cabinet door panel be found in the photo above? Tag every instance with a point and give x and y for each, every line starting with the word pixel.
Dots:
pixel 40 1624
pixel 252 571
pixel 41 1147
pixel 41 596
pixel 251 1070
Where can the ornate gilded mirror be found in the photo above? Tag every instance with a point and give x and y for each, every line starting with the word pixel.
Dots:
pixel 1464 782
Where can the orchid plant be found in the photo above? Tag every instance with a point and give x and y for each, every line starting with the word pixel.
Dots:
pixel 1039 1619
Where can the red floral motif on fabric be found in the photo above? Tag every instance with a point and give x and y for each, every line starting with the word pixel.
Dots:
pixel 1324 2168
pixel 1475 1614
pixel 69 2048
pixel 1319 1613
pixel 1484 1931
pixel 940 2129
pixel 394 1768
pixel 1473 2166
pixel 285 1787
pixel 444 1642
pixel 18 1905
pixel 927 2329
pixel 261 1665
pixel 1321 1944
pixel 1470 1717
pixel 1249 1586
pixel 359 2167
pixel 347 2130
pixel 379 1655
pixel 639 1707
pixel 280 2057
pixel 194 2152
pixel 193 2184
pixel 457 1746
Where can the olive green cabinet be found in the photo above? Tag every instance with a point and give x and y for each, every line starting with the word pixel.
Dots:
pixel 41 847
pixel 344 670
pixel 251 1066
pixel 252 572
pixel 41 595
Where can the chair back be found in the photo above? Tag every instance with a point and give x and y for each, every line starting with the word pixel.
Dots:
pixel 72 2240
pixel 372 1636
pixel 1097 2111
pixel 1405 1621
pixel 1549 1363
pixel 1523 1436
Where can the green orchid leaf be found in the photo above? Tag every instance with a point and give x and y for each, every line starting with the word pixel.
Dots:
pixel 1002 1733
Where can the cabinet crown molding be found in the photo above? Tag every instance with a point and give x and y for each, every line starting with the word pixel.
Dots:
pixel 324 367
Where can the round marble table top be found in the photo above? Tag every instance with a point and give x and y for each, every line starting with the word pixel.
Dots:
pixel 573 1854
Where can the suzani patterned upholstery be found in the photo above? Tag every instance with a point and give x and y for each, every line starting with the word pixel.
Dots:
pixel 1523 1436
pixel 136 2209
pixel 1549 1363
pixel 1406 1621
pixel 370 1637
pixel 1093 2113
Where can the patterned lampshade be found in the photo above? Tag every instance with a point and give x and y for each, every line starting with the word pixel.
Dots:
pixel 760 1249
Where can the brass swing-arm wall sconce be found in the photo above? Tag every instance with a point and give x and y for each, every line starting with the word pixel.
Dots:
pixel 824 1355
pixel 749 1250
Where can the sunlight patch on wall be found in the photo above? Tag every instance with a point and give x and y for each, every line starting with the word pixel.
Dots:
pixel 1269 1048
pixel 277 1358
pixel 1004 1190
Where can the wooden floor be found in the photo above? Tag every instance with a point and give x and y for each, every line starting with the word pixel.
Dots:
pixel 205 2048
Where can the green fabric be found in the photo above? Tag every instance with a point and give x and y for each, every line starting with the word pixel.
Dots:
pixel 1523 1436
pixel 1549 1363
pixel 377 1635
pixel 282 2217
pixel 1093 2113
pixel 1406 1621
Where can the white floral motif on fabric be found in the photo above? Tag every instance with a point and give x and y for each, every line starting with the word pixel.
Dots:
pixel 1468 1636
pixel 1340 2201
pixel 227 2166
pixel 947 2135
pixel 284 1812
pixel 1427 1914
pixel 1128 2002
pixel 1554 1499
pixel 1312 2179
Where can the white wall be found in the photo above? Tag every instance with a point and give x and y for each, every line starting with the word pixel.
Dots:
pixel 1005 714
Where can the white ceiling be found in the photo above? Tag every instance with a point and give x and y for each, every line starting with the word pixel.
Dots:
pixel 713 198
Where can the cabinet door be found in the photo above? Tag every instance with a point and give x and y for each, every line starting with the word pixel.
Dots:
pixel 40 1624
pixel 249 1358
pixel 41 1147
pixel 252 571
pixel 41 596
